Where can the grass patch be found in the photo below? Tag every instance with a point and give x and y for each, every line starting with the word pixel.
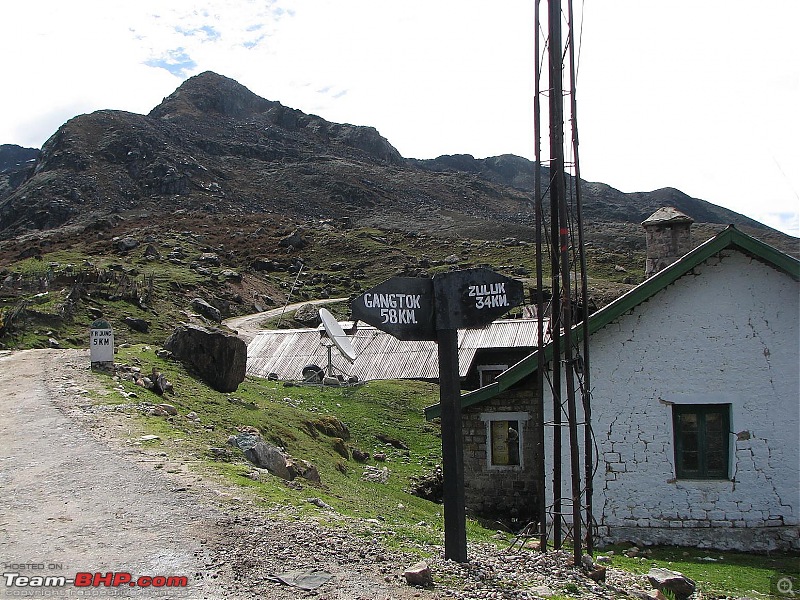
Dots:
pixel 718 574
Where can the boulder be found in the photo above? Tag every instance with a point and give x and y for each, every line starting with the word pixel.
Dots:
pixel 137 324
pixel 264 264
pixel 419 574
pixel 217 357
pixel 270 458
pixel 127 244
pixel 205 309
pixel 308 315
pixel 210 258
pixel 673 581
pixel 273 459
pixel 293 241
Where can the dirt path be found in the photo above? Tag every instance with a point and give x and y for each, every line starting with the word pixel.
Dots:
pixel 72 503
pixel 249 325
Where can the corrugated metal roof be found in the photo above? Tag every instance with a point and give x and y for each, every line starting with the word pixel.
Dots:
pixel 379 355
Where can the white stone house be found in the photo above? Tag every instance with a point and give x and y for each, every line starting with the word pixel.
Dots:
pixel 695 405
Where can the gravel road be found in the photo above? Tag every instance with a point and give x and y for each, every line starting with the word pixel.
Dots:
pixel 248 326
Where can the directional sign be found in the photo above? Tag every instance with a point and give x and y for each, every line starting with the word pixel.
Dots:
pixel 401 306
pixel 413 308
pixel 473 298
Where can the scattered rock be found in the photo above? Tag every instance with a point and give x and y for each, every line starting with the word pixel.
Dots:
pixel 231 275
pixel 273 459
pixel 543 591
pixel 126 244
pixel 293 241
pixel 598 574
pixel 394 442
pixel 419 574
pixel 360 456
pixel 308 315
pixel 160 384
pixel 430 486
pixel 217 357
pixel 341 448
pixel 675 582
pixel 632 552
pixel 168 409
pixel 304 469
pixel 209 258
pixel 320 504
pixel 205 309
pixel 604 559
pixel 375 474
pixel 137 324
pixel 264 264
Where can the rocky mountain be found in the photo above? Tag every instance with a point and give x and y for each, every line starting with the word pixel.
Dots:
pixel 215 147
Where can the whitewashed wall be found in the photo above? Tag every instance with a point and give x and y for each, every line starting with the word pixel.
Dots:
pixel 726 333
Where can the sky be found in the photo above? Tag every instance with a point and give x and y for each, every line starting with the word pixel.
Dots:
pixel 699 96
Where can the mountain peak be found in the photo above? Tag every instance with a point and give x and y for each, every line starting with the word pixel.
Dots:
pixel 211 93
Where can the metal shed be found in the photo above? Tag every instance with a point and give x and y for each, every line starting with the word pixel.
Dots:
pixel 379 355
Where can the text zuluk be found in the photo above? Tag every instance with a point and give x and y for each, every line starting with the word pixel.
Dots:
pixel 492 295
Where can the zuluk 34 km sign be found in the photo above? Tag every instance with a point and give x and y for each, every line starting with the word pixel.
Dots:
pixel 413 308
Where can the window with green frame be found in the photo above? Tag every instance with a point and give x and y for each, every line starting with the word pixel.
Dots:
pixel 701 440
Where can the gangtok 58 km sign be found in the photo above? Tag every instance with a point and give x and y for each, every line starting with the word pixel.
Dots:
pixel 401 306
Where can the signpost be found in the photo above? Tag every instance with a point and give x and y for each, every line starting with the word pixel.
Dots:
pixel 412 308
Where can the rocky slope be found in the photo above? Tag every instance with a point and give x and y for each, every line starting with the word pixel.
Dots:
pixel 215 147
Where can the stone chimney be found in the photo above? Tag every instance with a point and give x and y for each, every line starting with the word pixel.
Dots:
pixel 669 236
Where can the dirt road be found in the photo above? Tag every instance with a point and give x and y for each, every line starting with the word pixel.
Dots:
pixel 249 325
pixel 71 503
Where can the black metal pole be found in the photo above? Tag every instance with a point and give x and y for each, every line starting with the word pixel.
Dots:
pixel 538 399
pixel 556 195
pixel 561 239
pixel 455 527
pixel 584 316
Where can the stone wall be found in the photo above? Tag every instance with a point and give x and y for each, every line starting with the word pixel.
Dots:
pixel 666 244
pixel 506 494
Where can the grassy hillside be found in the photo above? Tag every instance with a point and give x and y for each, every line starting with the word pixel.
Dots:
pixel 293 418
pixel 57 290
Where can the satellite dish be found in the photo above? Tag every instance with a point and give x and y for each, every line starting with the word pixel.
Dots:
pixel 337 334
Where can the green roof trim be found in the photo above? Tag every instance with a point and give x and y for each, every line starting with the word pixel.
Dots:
pixel 730 237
